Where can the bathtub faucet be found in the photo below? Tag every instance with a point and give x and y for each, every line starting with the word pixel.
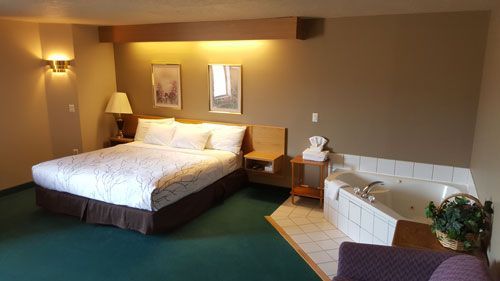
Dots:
pixel 368 188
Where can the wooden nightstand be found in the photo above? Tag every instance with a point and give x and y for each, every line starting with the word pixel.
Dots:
pixel 115 140
pixel 263 162
pixel 298 186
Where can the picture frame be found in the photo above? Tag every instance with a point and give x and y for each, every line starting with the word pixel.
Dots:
pixel 166 84
pixel 225 88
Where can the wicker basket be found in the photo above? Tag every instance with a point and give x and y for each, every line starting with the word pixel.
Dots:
pixel 455 244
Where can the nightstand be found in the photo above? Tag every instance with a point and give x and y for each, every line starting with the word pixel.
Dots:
pixel 263 162
pixel 298 186
pixel 115 140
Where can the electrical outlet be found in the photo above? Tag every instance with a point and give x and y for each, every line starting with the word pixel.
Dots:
pixel 315 117
pixel 76 151
pixel 71 107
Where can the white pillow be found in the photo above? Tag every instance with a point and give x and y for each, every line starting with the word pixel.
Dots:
pixel 190 136
pixel 160 134
pixel 144 124
pixel 225 137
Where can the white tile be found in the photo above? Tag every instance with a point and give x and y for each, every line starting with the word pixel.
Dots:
pixel 353 231
pixel 386 166
pixel 285 222
pixel 378 242
pixel 337 159
pixel 368 164
pixel 330 268
pixel 367 220
pixel 343 223
pixel 310 247
pixel 422 171
pixel 344 206
pixel 301 238
pixel 325 226
pixel 315 213
pixel 328 244
pixel 293 230
pixel 285 209
pixel 335 204
pixel 404 169
pixel 317 236
pixel 334 216
pixel 309 228
pixel 334 254
pixel 334 233
pixel 320 257
pixel 460 175
pixel 380 229
pixel 300 220
pixel 317 220
pixel 354 213
pixel 390 234
pixel 340 240
pixel 351 161
pixel 442 173
pixel 299 213
pixel 471 185
pixel 365 237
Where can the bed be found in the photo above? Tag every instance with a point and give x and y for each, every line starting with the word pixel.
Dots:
pixel 139 186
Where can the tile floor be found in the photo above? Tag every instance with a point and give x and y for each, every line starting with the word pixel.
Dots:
pixel 305 224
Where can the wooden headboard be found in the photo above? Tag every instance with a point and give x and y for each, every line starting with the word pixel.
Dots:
pixel 257 137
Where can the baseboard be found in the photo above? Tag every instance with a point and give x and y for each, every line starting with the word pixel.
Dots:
pixel 17 188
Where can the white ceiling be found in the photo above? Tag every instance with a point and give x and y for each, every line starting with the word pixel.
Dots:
pixel 116 12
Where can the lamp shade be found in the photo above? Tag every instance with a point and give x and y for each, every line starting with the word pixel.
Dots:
pixel 118 103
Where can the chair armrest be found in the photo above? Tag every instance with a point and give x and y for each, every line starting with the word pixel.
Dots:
pixel 383 263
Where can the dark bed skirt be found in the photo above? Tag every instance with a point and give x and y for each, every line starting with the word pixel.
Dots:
pixel 146 222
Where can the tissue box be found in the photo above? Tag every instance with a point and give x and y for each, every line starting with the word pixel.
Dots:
pixel 311 155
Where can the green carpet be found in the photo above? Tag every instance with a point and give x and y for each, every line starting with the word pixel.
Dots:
pixel 231 241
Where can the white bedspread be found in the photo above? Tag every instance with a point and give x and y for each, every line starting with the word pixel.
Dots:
pixel 137 175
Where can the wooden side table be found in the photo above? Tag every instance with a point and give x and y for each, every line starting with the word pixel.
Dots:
pixel 417 235
pixel 298 186
pixel 115 140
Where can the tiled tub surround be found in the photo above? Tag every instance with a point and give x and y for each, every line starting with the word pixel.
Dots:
pixel 398 198
pixel 405 169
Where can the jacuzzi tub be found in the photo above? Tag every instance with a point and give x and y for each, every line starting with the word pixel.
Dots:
pixel 398 199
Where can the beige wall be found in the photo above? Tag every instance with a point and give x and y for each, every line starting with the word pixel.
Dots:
pixel 485 162
pixel 403 87
pixel 23 108
pixel 35 119
pixel 95 71
pixel 60 90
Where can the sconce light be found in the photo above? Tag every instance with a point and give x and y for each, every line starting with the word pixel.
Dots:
pixel 58 65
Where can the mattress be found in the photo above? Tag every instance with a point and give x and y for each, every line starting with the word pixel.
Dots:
pixel 137 175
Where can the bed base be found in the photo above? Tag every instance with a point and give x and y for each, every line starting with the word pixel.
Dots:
pixel 146 222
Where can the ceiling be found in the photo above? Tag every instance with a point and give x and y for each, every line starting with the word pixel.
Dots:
pixel 118 12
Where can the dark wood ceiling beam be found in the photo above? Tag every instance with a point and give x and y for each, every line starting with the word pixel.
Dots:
pixel 274 28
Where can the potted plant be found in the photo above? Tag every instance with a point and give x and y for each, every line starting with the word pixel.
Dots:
pixel 460 221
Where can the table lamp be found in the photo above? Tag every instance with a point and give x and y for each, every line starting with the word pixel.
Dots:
pixel 118 104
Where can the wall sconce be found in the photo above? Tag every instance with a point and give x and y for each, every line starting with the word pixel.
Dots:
pixel 58 65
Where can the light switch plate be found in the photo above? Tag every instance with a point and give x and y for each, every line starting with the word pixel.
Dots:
pixel 315 117
pixel 71 107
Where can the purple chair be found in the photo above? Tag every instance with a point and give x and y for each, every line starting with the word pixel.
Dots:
pixel 363 262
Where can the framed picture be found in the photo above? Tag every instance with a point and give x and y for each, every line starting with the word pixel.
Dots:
pixel 167 85
pixel 224 88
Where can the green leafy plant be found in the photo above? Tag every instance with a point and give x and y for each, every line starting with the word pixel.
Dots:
pixel 458 219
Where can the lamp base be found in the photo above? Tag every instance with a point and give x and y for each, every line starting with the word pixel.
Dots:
pixel 119 124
